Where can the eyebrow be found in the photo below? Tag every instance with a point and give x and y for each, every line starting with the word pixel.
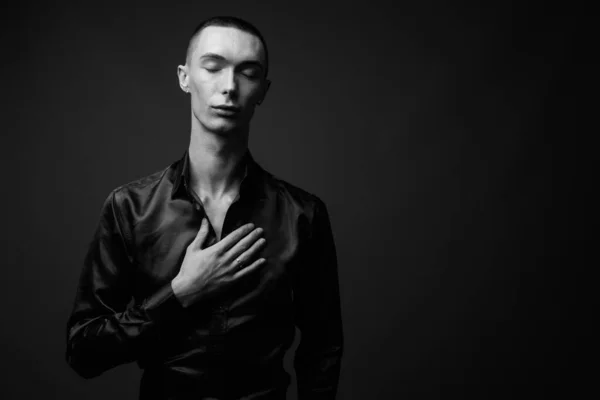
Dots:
pixel 215 56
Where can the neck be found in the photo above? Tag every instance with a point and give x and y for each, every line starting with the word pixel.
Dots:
pixel 215 170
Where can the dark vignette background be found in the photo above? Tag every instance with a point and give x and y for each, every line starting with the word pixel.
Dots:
pixel 447 142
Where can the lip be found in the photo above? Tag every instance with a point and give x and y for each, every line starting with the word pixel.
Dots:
pixel 226 111
pixel 227 108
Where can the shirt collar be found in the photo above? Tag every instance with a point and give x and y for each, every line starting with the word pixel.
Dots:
pixel 252 183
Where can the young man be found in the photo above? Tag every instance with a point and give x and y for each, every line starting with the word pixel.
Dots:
pixel 201 272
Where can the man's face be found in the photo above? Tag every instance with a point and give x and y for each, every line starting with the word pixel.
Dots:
pixel 225 77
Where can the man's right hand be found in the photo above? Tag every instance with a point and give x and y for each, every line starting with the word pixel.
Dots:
pixel 206 271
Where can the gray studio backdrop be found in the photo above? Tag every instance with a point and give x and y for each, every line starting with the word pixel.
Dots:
pixel 421 126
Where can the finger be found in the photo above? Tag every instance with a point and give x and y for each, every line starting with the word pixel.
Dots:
pixel 238 249
pixel 231 239
pixel 201 235
pixel 249 269
pixel 247 255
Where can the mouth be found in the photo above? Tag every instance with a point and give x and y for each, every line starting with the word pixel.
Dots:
pixel 226 111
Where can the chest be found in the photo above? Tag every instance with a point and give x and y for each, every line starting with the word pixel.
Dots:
pixel 216 212
pixel 162 236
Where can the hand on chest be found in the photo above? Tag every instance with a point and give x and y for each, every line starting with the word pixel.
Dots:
pixel 163 242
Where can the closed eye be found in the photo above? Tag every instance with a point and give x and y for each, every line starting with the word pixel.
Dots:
pixel 251 73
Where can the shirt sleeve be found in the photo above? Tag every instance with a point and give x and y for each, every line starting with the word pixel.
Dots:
pixel 104 330
pixel 318 314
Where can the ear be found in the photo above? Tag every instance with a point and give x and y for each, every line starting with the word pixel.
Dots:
pixel 182 74
pixel 267 85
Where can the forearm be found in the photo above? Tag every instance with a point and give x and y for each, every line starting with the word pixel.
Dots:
pixel 98 339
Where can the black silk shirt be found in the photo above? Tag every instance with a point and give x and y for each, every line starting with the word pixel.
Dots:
pixel 232 345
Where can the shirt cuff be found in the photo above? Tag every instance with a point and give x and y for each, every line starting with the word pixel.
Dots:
pixel 163 306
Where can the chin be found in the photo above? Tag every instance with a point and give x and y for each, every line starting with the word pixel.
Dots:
pixel 223 126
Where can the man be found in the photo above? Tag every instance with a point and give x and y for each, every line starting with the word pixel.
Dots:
pixel 201 271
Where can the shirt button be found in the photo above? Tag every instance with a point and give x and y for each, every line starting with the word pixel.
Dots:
pixel 197 206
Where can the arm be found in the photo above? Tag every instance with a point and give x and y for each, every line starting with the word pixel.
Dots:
pixel 102 331
pixel 318 314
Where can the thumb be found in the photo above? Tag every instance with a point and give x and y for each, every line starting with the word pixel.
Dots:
pixel 202 234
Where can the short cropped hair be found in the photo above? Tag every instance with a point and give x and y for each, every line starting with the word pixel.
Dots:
pixel 227 21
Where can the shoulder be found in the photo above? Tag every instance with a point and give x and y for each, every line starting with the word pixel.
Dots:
pixel 134 194
pixel 306 208
pixel 305 201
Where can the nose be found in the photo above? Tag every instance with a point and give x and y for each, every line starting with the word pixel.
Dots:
pixel 229 83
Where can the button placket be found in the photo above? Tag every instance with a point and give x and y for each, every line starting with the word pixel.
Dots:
pixel 223 317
